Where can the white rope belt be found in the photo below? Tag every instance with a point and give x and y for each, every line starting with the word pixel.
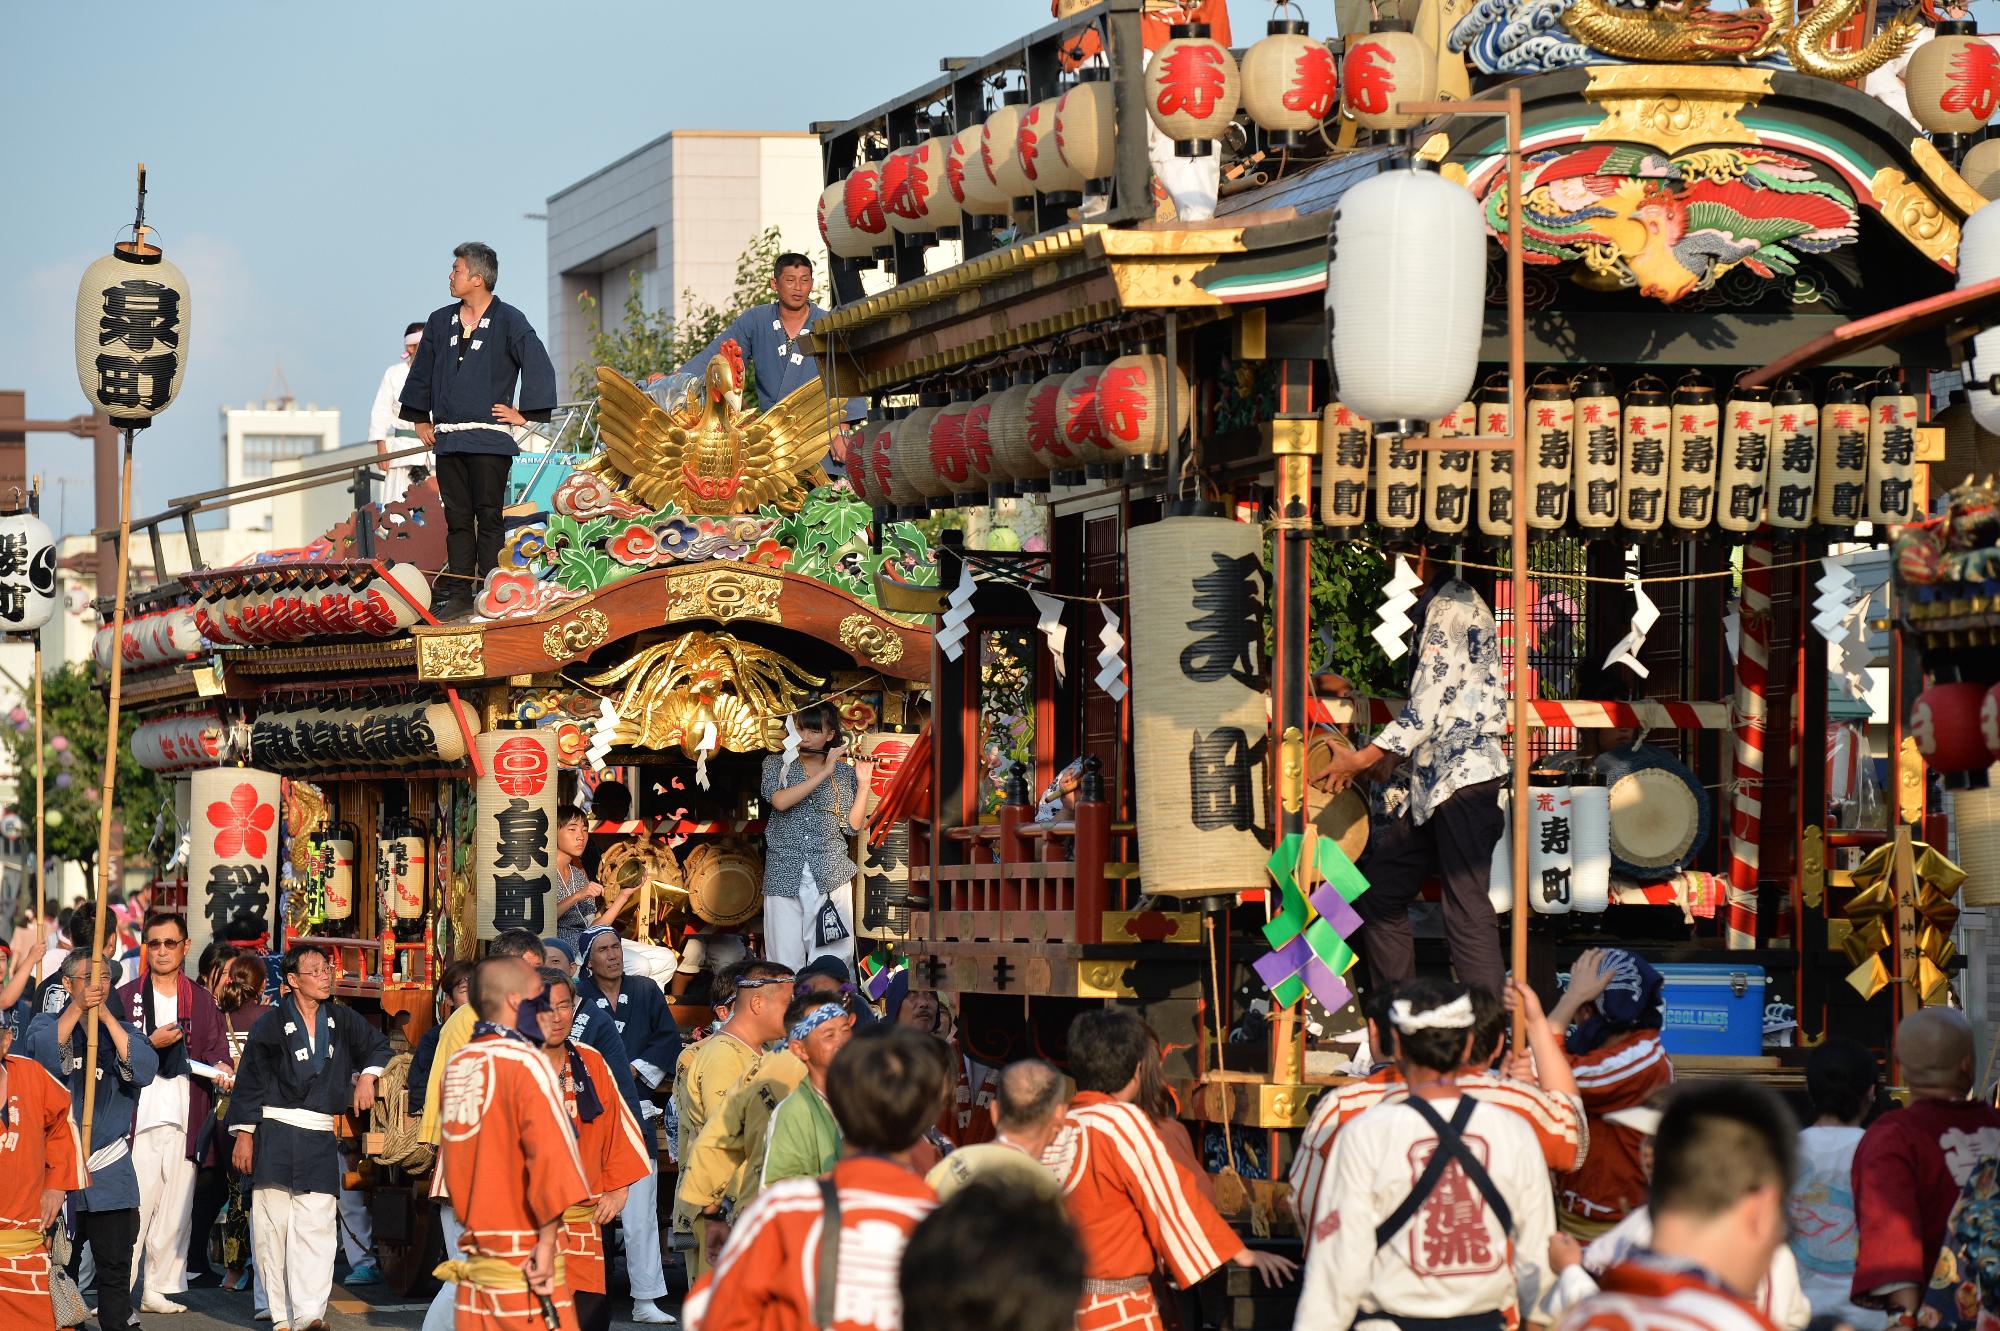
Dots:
pixel 309 1119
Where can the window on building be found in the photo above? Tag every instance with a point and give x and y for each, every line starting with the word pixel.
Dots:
pixel 262 451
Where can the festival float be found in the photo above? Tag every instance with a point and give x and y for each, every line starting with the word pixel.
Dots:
pixel 1530 280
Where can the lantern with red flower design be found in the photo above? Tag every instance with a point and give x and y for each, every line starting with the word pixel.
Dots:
pixel 1132 405
pixel 968 180
pixel 950 466
pixel 1290 83
pixel 1086 129
pixel 1041 160
pixel 1945 722
pixel 1000 150
pixel 1954 81
pixel 1192 89
pixel 1390 66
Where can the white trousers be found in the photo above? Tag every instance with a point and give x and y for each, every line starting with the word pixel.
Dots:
pixel 788 924
pixel 443 1312
pixel 357 1228
pixel 166 1211
pixel 641 1218
pixel 292 1235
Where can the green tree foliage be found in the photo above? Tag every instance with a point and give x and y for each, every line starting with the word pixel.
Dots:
pixel 1346 591
pixel 650 342
pixel 74 708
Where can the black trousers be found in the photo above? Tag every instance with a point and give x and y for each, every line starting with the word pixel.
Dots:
pixel 1456 844
pixel 593 1311
pixel 211 1191
pixel 474 489
pixel 110 1235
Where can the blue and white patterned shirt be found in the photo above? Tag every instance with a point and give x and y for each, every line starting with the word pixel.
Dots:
pixel 1450 729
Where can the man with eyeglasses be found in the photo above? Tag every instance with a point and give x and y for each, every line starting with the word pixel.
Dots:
pixel 307 1061
pixel 180 1021
pixel 711 1069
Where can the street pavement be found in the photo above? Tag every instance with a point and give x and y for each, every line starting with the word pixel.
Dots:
pixel 364 1309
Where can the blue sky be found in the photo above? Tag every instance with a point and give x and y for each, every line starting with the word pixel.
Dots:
pixel 311 166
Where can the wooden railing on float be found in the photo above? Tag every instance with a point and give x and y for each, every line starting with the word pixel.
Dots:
pixel 1017 880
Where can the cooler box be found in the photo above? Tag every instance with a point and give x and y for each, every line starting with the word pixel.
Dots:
pixel 1713 1009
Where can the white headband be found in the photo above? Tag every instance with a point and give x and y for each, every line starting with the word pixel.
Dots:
pixel 1453 1016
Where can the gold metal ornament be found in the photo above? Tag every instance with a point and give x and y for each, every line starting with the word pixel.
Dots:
pixel 451 655
pixel 675 690
pixel 725 594
pixel 1696 34
pixel 863 637
pixel 708 455
pixel 578 634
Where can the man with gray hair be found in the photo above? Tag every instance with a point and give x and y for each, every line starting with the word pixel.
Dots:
pixel 1027 1115
pixel 460 395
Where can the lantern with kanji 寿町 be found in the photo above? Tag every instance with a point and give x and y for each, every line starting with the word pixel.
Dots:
pixel 1000 149
pixel 906 191
pixel 911 480
pixel 514 826
pixel 1643 483
pixel 232 851
pixel 1086 128
pixel 1383 70
pixel 1494 500
pixel 1399 482
pixel 402 869
pixel 950 466
pixel 1343 484
pixel 132 318
pixel 1843 454
pixel 1132 405
pixel 885 865
pixel 1041 159
pixel 1405 297
pixel 1892 456
pixel 1192 89
pixel 340 872
pixel 1448 475
pixel 1745 461
pixel 1290 83
pixel 27 572
pixel 1551 435
pixel 1550 867
pixel 1594 450
pixel 1954 80
pixel 967 177
pixel 1691 449
pixel 1792 476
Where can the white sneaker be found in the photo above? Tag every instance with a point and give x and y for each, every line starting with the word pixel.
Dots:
pixel 263 1314
pixel 651 1314
pixel 156 1303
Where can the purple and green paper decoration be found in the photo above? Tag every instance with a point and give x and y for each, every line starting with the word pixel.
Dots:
pixel 1308 937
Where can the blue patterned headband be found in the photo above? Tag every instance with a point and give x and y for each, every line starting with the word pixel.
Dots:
pixel 815 1019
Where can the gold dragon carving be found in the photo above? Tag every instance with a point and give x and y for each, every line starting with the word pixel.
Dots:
pixel 674 691
pixel 1695 33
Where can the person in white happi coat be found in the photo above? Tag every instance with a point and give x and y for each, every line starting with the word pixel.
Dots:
pixel 390 432
pixel 1445 1208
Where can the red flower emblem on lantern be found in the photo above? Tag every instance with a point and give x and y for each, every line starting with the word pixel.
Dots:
pixel 863 197
pixel 947 440
pixel 1192 79
pixel 978 447
pixel 1028 141
pixel 1121 402
pixel 1315 83
pixel 241 823
pixel 1044 435
pixel 1369 80
pixel 1975 81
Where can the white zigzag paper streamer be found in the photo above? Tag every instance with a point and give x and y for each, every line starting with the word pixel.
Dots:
pixel 601 733
pixel 1644 615
pixel 1847 656
pixel 1732 627
pixel 1051 626
pixel 790 754
pixel 702 750
pixel 1835 599
pixel 1110 656
pixel 951 633
pixel 1397 598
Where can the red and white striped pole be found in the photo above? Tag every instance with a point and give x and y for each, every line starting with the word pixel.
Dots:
pixel 1746 813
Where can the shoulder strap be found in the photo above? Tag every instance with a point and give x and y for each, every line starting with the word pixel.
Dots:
pixel 829 1253
pixel 1450 1146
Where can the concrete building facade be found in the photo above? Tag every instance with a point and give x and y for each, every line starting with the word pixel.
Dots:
pixel 676 212
pixel 257 439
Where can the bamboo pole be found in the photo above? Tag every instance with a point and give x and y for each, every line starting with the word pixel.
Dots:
pixel 106 788
pixel 41 776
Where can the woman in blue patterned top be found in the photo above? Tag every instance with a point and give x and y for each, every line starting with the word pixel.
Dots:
pixel 813 808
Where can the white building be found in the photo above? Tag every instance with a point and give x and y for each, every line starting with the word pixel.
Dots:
pixel 257 438
pixel 677 212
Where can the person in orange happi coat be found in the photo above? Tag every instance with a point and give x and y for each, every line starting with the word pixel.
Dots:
pixel 1130 1202
pixel 885 1087
pixel 41 1160
pixel 508 1160
pixel 608 1140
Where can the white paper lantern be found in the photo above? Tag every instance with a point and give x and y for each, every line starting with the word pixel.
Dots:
pixel 1843 455
pixel 233 850
pixel 1793 475
pixel 967 177
pixel 1892 458
pixel 513 856
pixel 1642 486
pixel 1086 126
pixel 340 878
pixel 27 573
pixel 929 184
pixel 1595 449
pixel 1448 475
pixel 402 870
pixel 1551 436
pixel 1041 157
pixel 1000 149
pixel 1746 460
pixel 1493 500
pixel 1590 846
pixel 132 318
pixel 1550 866
pixel 1406 291
pixel 1691 457
pixel 1500 871
pixel 1344 447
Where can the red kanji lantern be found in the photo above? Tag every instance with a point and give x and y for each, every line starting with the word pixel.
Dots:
pixel 864 208
pixel 1389 66
pixel 941 208
pixel 1086 126
pixel 861 460
pixel 1000 149
pixel 1081 429
pixel 1954 80
pixel 912 482
pixel 1192 89
pixel 967 178
pixel 875 466
pixel 1041 159
pixel 851 216
pixel 906 191
pixel 979 440
pixel 1044 421
pixel 1945 722
pixel 1007 430
pixel 1132 405
pixel 950 465
pixel 1290 83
